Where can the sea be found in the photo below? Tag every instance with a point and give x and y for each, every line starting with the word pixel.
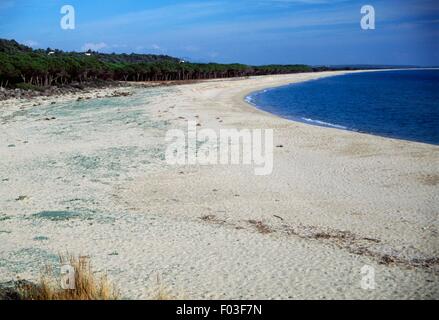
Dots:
pixel 401 104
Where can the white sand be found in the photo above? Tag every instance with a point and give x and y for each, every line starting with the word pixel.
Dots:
pixel 336 200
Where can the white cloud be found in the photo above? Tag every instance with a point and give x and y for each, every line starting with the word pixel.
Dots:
pixel 94 46
pixel 160 15
pixel 31 43
pixel 117 46
pixel 157 48
pixel 149 48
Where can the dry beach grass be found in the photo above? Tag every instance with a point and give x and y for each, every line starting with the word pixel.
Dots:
pixel 87 284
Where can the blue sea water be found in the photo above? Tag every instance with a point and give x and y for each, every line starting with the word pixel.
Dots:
pixel 397 104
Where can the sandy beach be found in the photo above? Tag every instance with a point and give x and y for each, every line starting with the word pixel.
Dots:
pixel 89 177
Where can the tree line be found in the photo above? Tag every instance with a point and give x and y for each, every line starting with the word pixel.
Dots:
pixel 22 65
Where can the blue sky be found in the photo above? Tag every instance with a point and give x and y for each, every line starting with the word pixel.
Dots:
pixel 246 31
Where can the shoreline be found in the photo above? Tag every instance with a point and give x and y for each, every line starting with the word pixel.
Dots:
pixel 336 201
